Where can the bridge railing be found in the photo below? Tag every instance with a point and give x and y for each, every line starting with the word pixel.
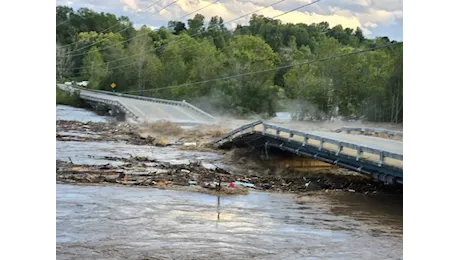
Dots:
pixel 240 129
pixel 291 134
pixel 370 130
pixel 155 100
pixel 340 144
pixel 110 102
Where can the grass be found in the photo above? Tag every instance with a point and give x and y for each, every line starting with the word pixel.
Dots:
pixel 68 98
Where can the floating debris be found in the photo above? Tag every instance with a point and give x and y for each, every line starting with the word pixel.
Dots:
pixel 244 184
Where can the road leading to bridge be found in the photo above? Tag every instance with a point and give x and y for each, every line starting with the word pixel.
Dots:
pixel 149 109
pixel 362 153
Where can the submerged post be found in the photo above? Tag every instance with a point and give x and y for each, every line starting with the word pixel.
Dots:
pixel 219 184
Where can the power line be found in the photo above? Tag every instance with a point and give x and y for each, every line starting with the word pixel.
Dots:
pixel 141 11
pixel 295 9
pixel 271 69
pixel 198 32
pixel 118 23
pixel 138 36
pixel 178 40
pixel 126 28
pixel 107 47
pixel 112 68
pixel 183 16
pixel 62 23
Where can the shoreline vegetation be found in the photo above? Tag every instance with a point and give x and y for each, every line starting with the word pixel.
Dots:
pixel 68 98
pixel 366 86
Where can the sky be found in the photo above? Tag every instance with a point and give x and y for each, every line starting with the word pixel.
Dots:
pixel 375 17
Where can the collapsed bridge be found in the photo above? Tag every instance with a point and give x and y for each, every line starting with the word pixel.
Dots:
pixel 378 157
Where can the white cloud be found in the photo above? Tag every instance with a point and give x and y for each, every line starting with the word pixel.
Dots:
pixel 364 3
pixel 366 31
pixel 130 3
pixel 308 18
pixel 139 25
pixel 388 5
pixel 367 14
pixel 370 25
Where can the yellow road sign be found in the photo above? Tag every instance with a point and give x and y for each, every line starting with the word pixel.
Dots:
pixel 113 85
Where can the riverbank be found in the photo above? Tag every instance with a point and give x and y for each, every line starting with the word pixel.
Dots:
pixel 197 174
pixel 204 177
pixel 122 194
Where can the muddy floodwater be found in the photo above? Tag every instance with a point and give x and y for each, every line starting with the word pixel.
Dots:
pixel 138 223
pixel 78 114
pixel 120 222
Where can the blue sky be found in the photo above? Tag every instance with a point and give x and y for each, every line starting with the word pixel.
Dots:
pixel 375 17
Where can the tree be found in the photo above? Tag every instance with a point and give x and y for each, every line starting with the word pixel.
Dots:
pixel 195 25
pixel 141 44
pixel 251 94
pixel 63 62
pixel 199 64
pixel 176 27
pixel 94 68
pixel 384 102
pixel 145 71
pixel 359 35
pixel 109 45
pixel 306 85
pixel 217 32
pixel 64 31
pixel 312 86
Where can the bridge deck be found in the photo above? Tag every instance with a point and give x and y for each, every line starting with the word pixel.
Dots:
pixel 377 153
pixel 149 108
pixel 359 140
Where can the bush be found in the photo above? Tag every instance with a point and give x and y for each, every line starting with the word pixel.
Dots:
pixel 68 98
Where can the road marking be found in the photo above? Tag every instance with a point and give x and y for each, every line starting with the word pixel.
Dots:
pixel 135 108
pixel 183 111
pixel 162 111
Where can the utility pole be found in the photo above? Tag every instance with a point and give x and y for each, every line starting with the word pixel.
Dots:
pixel 139 76
pixel 139 80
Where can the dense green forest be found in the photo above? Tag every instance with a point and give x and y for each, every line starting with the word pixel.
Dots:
pixel 103 48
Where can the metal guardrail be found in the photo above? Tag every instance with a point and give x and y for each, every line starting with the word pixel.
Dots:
pixel 111 102
pixel 155 100
pixel 237 130
pixel 306 136
pixel 371 130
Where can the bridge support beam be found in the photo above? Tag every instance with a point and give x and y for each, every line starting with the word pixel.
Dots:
pixel 387 174
pixel 301 163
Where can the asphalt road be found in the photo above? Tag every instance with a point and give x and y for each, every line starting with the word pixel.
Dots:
pixel 151 111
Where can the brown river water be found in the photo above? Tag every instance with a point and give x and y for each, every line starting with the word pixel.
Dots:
pixel 112 222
